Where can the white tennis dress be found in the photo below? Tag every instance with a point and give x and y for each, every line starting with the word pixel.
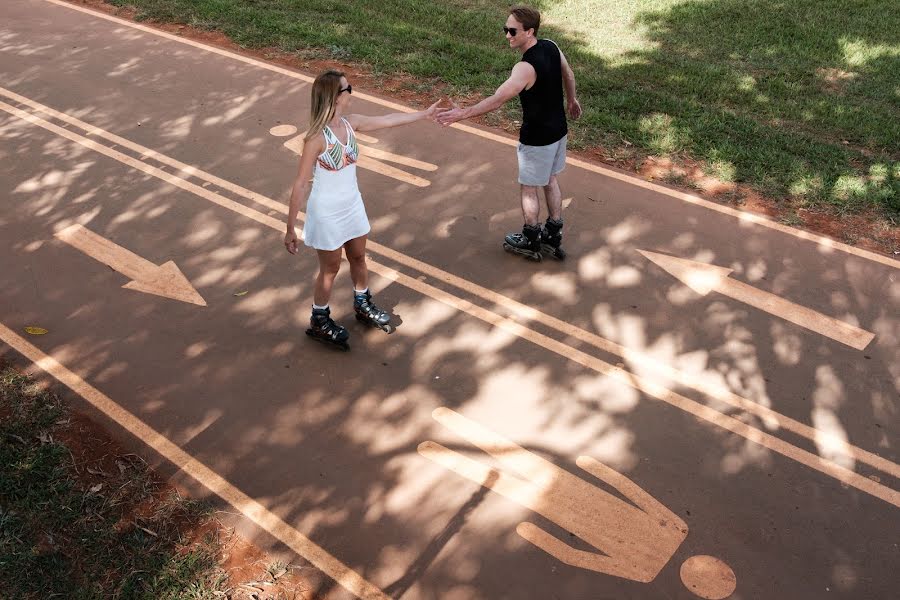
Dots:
pixel 335 213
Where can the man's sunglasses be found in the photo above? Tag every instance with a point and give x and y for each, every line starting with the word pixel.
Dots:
pixel 510 30
pixel 348 89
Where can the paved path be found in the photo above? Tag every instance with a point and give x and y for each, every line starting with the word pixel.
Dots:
pixel 588 429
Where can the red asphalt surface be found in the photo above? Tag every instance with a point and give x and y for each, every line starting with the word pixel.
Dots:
pixel 800 502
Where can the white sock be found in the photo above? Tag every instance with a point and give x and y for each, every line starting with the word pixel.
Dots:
pixel 317 307
pixel 356 291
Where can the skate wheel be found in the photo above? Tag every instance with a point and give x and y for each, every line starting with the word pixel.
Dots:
pixel 536 257
pixel 387 327
pixel 557 253
pixel 342 346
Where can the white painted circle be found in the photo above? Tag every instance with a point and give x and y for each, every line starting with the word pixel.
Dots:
pixel 283 130
pixel 708 577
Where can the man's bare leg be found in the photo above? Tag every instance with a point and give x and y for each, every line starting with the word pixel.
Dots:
pixel 554 198
pixel 551 236
pixel 531 204
pixel 527 243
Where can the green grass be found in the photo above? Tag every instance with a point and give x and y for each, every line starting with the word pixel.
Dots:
pixel 62 537
pixel 800 99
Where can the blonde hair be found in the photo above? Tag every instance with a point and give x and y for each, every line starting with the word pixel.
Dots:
pixel 325 90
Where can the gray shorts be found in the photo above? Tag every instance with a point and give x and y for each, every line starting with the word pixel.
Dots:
pixel 538 163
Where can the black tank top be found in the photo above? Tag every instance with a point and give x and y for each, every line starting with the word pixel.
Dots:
pixel 543 113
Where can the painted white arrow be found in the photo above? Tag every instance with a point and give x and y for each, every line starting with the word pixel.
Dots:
pixel 165 280
pixel 704 278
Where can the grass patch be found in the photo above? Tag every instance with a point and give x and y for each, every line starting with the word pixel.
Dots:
pixel 798 99
pixel 89 531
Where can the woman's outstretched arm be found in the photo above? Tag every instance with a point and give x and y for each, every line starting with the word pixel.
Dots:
pixel 364 123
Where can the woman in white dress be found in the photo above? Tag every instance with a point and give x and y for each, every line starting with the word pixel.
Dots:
pixel 335 215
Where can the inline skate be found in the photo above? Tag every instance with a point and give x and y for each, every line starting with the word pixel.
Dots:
pixel 527 243
pixel 322 328
pixel 367 312
pixel 551 239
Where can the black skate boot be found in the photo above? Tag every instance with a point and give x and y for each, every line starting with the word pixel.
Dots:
pixel 322 328
pixel 551 239
pixel 368 313
pixel 527 243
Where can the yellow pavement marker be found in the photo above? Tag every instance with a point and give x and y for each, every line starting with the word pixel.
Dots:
pixel 635 539
pixel 166 280
pixel 704 278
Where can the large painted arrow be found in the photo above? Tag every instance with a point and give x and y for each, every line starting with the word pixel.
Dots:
pixel 165 280
pixel 704 278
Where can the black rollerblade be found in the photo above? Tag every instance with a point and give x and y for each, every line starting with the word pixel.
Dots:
pixel 527 243
pixel 322 328
pixel 551 239
pixel 368 313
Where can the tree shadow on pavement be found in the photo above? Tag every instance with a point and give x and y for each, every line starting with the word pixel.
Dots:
pixel 328 441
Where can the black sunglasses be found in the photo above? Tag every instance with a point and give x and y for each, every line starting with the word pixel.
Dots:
pixel 510 30
pixel 348 89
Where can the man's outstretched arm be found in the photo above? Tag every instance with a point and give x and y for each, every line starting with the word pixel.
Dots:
pixel 522 75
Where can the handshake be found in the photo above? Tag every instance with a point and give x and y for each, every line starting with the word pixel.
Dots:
pixel 445 116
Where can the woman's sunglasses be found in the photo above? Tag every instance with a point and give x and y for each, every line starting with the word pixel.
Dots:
pixel 348 89
pixel 510 30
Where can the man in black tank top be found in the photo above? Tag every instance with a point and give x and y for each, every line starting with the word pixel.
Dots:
pixel 539 80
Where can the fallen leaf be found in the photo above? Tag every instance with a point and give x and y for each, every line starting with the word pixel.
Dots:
pixel 35 330
pixel 96 488
pixel 244 293
pixel 94 471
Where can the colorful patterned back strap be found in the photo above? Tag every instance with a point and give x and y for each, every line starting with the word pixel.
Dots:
pixel 336 156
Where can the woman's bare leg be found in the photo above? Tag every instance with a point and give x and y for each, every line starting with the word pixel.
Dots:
pixel 356 255
pixel 329 265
